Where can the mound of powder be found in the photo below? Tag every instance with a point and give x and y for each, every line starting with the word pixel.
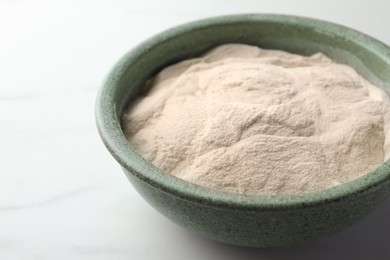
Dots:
pixel 254 121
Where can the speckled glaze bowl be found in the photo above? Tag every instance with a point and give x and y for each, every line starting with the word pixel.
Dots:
pixel 255 221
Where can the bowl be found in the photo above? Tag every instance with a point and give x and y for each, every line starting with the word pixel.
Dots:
pixel 255 221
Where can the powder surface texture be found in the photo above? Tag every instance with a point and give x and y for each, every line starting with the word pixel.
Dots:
pixel 248 120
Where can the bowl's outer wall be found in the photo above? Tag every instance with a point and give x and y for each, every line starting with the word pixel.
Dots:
pixel 266 227
pixel 258 227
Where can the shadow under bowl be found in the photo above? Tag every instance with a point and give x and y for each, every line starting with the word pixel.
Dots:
pixel 256 221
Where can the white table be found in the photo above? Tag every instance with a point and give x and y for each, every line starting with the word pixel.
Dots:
pixel 62 196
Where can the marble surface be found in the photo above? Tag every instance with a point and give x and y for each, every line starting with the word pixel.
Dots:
pixel 62 196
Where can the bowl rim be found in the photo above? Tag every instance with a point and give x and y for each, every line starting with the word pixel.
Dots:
pixel 114 139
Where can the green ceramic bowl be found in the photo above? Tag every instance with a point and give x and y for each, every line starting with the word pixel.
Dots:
pixel 256 221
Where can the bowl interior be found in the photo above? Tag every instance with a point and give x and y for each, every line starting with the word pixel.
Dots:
pixel 293 34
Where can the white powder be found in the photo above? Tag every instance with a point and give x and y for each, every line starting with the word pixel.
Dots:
pixel 247 120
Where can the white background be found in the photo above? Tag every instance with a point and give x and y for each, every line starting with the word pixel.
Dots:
pixel 62 196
